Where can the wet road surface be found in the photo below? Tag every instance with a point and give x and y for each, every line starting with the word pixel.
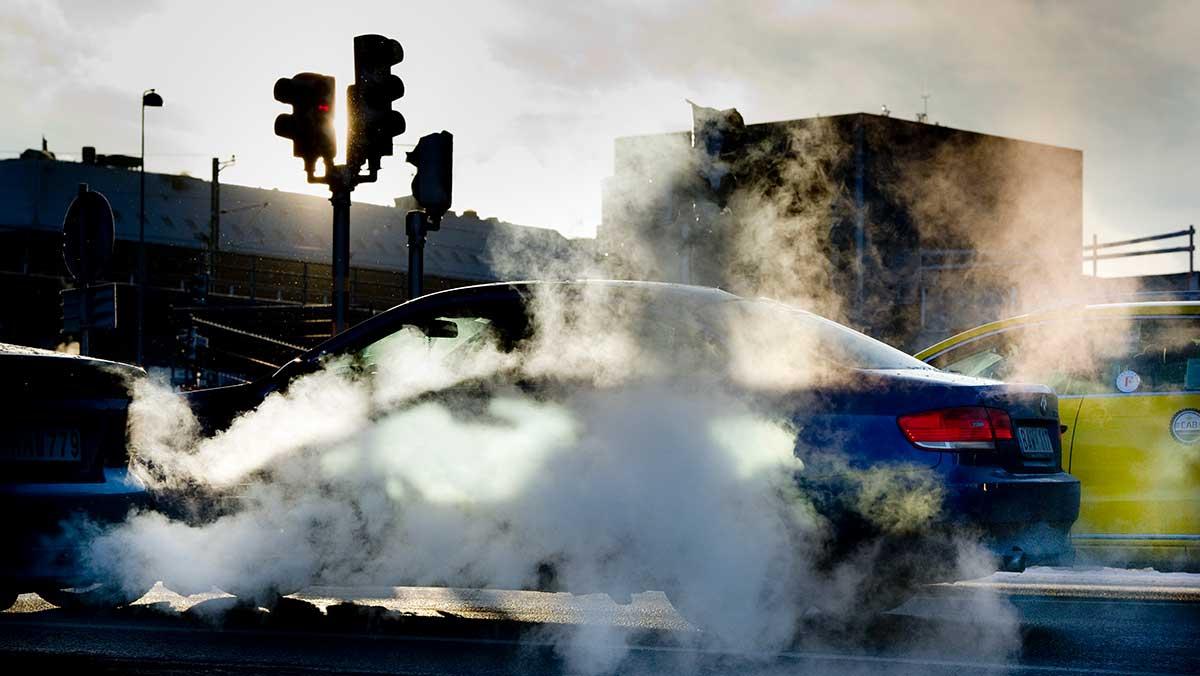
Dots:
pixel 955 629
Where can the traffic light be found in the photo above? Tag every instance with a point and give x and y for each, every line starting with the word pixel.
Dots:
pixel 434 159
pixel 372 122
pixel 310 124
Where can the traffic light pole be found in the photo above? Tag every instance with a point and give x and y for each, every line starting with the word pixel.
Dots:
pixel 341 249
pixel 431 187
pixel 371 125
pixel 341 180
pixel 415 226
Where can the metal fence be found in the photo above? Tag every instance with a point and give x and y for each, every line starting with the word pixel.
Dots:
pixel 1095 256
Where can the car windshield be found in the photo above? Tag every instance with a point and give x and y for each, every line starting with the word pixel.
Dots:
pixel 802 335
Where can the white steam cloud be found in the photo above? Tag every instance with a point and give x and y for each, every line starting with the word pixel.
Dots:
pixel 373 473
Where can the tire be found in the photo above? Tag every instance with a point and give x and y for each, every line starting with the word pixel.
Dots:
pixel 93 597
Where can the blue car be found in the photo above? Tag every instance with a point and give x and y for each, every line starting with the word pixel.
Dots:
pixel 994 448
pixel 63 462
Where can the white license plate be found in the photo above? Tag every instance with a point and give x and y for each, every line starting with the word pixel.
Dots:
pixel 1035 440
pixel 57 444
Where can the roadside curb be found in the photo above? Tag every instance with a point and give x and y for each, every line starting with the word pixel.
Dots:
pixel 1188 594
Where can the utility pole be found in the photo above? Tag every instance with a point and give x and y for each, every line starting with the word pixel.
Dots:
pixel 214 222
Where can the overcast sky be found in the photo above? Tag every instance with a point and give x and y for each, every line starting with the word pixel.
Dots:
pixel 535 92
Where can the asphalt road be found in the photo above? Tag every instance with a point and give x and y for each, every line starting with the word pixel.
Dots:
pixel 948 630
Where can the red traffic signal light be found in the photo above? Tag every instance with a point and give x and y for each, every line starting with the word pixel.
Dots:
pixel 310 124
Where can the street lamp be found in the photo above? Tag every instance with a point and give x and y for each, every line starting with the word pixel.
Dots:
pixel 152 99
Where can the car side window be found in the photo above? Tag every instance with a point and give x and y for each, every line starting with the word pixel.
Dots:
pixel 1151 355
pixel 444 339
pixel 428 352
pixel 1099 356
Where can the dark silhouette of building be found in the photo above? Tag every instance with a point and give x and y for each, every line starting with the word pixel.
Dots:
pixel 908 231
pixel 263 296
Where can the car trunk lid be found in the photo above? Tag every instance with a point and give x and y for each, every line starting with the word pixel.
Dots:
pixel 67 422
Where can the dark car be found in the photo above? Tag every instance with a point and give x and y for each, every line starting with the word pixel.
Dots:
pixel 994 447
pixel 63 463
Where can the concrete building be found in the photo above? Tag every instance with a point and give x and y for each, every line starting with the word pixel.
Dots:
pixel 905 230
pixel 266 293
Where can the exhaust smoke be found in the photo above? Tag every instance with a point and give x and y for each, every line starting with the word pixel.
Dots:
pixel 606 446
pixel 644 478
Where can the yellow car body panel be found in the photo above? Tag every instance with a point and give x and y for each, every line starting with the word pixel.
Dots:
pixel 1135 480
pixel 1132 418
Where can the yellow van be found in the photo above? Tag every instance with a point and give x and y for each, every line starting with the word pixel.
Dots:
pixel 1128 379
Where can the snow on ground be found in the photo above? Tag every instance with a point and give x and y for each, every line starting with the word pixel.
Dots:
pixel 1125 577
pixel 1086 582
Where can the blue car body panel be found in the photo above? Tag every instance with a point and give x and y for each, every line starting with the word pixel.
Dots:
pixel 42 500
pixel 1021 509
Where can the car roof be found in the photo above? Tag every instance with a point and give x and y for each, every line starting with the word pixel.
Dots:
pixel 521 288
pixel 1097 310
pixel 708 292
pixel 24 351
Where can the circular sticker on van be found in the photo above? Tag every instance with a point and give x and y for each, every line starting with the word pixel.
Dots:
pixel 1185 426
pixel 1129 381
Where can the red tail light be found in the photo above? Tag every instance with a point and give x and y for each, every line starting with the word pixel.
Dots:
pixel 963 428
pixel 1001 424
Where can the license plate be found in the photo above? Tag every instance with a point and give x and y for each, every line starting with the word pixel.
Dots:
pixel 59 444
pixel 1035 440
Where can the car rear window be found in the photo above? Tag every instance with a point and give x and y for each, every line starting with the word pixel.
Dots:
pixel 805 335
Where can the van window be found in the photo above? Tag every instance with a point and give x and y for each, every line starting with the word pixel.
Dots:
pixel 1101 356
pixel 1158 355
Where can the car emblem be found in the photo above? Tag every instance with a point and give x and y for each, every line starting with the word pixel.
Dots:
pixel 1042 405
pixel 1185 426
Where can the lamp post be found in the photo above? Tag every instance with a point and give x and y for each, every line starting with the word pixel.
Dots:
pixel 152 99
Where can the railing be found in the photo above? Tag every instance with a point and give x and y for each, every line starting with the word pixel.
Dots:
pixel 1095 256
pixel 286 283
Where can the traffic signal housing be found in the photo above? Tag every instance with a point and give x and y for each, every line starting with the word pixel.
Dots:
pixel 373 123
pixel 310 124
pixel 434 159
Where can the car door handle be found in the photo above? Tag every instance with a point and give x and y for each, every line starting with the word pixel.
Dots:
pixel 1062 429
